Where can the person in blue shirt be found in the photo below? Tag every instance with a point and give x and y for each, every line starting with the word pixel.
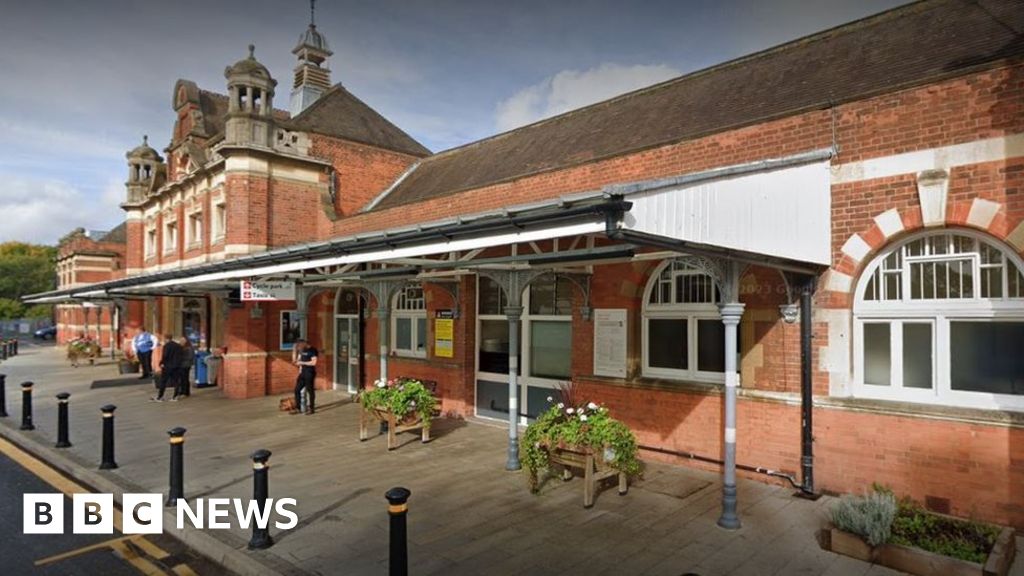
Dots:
pixel 143 344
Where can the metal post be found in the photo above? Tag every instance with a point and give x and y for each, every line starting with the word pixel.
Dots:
pixel 398 509
pixel 3 349
pixel 62 420
pixel 3 395
pixel 107 455
pixel 26 406
pixel 806 389
pixel 15 346
pixel 177 490
pixel 260 493
pixel 384 325
pixel 731 314
pixel 514 313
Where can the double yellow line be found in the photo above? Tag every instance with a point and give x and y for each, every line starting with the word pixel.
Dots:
pixel 128 547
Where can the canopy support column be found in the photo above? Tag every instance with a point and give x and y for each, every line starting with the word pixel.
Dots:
pixel 731 311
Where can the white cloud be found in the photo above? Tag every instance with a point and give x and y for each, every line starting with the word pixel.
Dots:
pixel 43 210
pixel 570 89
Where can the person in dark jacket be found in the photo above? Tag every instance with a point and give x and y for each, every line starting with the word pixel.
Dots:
pixel 188 359
pixel 170 362
pixel 305 358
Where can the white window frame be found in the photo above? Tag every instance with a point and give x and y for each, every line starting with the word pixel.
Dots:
pixel 692 313
pixel 940 313
pixel 405 307
pixel 194 229
pixel 524 378
pixel 219 221
pixel 171 236
pixel 151 240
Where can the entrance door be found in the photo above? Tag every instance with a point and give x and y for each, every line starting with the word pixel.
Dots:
pixel 346 353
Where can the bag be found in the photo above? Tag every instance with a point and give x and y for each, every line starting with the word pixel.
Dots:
pixel 287 404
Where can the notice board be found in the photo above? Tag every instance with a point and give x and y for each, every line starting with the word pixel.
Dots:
pixel 444 334
pixel 610 342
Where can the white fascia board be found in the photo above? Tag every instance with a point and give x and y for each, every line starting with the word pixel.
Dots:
pixel 384 255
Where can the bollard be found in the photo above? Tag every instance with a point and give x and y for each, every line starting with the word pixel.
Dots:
pixel 177 465
pixel 62 420
pixel 15 346
pixel 107 459
pixel 26 406
pixel 260 492
pixel 3 349
pixel 3 395
pixel 398 560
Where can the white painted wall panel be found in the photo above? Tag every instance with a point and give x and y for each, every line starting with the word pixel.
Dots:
pixel 784 213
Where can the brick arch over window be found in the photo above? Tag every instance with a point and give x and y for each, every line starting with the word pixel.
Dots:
pixel 894 224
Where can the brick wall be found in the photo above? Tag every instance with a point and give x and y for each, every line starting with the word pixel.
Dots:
pixel 362 172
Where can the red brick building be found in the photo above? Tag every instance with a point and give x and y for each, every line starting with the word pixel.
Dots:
pixel 832 227
pixel 86 257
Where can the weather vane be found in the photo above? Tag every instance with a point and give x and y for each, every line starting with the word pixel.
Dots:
pixel 312 12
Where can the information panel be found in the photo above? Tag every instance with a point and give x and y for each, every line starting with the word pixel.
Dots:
pixel 444 334
pixel 610 342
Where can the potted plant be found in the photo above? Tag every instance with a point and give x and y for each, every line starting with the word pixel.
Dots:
pixel 580 436
pixel 404 403
pixel 129 364
pixel 878 528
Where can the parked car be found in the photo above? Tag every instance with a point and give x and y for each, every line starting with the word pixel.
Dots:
pixel 48 333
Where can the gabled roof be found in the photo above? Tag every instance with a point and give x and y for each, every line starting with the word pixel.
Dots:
pixel 340 114
pixel 118 235
pixel 904 47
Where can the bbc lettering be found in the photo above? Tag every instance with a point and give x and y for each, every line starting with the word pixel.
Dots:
pixel 143 513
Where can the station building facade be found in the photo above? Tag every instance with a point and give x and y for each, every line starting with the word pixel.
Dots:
pixel 834 227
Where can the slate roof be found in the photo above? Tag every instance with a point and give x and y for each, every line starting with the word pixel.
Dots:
pixel 907 46
pixel 340 114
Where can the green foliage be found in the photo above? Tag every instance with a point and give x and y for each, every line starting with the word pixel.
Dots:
pixel 963 539
pixel 401 397
pixel 869 516
pixel 584 426
pixel 24 269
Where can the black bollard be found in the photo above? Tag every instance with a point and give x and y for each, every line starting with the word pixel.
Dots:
pixel 398 560
pixel 26 406
pixel 62 420
pixel 107 459
pixel 260 492
pixel 3 349
pixel 177 465
pixel 14 347
pixel 3 395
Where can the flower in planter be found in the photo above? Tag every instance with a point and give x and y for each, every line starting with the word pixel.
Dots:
pixel 592 406
pixel 560 406
pixel 583 417
pixel 570 410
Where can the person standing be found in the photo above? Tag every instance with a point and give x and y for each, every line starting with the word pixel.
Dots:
pixel 143 344
pixel 188 359
pixel 305 359
pixel 170 362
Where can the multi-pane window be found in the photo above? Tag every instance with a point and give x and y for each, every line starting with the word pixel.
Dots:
pixel 549 322
pixel 170 237
pixel 940 319
pixel 219 228
pixel 195 229
pixel 683 334
pixel 151 241
pixel 409 321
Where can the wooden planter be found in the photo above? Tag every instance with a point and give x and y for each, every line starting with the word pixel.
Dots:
pixel 922 562
pixel 127 367
pixel 411 422
pixel 593 465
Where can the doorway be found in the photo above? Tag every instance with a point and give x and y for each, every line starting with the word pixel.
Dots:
pixel 347 341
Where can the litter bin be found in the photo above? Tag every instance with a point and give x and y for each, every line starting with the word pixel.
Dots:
pixel 200 368
pixel 212 363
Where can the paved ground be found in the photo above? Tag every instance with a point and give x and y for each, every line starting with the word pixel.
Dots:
pixel 467 515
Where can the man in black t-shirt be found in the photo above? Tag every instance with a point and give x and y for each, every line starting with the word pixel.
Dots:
pixel 305 359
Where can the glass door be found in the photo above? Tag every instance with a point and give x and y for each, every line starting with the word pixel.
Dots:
pixel 346 353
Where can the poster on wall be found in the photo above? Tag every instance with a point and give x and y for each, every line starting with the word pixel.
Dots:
pixel 291 328
pixel 610 342
pixel 444 334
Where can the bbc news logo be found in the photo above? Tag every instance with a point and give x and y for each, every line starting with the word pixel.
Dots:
pixel 143 513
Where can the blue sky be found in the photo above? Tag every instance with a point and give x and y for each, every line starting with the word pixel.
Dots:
pixel 83 81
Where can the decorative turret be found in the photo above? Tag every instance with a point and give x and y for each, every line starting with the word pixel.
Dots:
pixel 312 77
pixel 251 102
pixel 143 165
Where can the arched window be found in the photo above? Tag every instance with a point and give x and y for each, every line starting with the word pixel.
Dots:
pixel 683 334
pixel 939 318
pixel 409 321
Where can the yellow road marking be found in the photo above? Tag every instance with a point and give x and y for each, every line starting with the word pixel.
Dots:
pixel 68 487
pixel 141 564
pixel 151 549
pixel 79 551
pixel 184 570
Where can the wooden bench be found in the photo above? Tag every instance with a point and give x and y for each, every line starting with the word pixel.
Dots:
pixel 595 470
pixel 395 426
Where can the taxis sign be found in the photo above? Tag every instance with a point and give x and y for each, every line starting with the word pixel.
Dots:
pixel 267 291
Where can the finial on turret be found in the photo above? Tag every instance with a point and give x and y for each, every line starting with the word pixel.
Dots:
pixel 312 13
pixel 252 51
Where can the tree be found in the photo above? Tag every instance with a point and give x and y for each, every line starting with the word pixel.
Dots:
pixel 25 269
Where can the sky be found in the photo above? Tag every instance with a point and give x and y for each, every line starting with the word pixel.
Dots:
pixel 82 81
